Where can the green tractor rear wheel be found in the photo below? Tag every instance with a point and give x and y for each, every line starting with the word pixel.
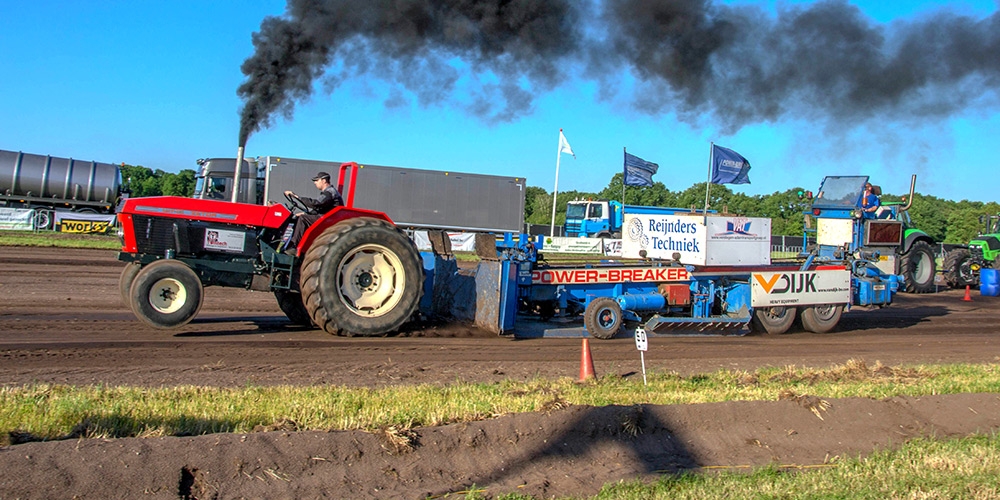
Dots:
pixel 918 267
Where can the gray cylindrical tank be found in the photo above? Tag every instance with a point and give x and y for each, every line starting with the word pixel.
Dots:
pixel 25 174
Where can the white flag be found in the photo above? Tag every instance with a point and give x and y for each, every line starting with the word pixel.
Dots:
pixel 564 146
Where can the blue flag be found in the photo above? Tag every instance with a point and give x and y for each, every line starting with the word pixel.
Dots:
pixel 639 172
pixel 729 167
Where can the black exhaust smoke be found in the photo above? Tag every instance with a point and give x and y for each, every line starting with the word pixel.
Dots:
pixel 515 44
pixel 727 65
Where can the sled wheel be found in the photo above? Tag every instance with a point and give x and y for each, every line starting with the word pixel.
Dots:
pixel 290 303
pixel 773 320
pixel 821 318
pixel 361 276
pixel 603 318
pixel 917 266
pixel 166 294
pixel 125 282
pixel 958 268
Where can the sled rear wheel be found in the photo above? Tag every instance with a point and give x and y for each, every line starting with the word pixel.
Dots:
pixel 773 320
pixel 603 318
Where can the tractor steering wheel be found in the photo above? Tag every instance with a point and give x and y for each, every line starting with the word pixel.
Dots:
pixel 295 204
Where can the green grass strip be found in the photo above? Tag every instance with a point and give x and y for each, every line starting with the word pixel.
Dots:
pixel 44 411
pixel 966 467
pixel 59 240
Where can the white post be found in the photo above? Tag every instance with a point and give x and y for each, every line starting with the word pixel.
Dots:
pixel 555 189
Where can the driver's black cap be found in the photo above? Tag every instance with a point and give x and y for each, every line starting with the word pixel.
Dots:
pixel 322 175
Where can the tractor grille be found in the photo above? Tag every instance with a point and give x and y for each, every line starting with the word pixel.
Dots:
pixel 156 235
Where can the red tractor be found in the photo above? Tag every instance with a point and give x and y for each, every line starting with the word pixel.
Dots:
pixel 355 272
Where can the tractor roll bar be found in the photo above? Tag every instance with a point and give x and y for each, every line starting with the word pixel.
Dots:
pixel 349 197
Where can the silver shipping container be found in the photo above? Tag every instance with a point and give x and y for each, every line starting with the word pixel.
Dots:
pixel 412 198
pixel 47 177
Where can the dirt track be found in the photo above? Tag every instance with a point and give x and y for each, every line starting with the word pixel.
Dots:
pixel 62 321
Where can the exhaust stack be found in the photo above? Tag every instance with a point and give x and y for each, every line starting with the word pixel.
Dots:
pixel 236 175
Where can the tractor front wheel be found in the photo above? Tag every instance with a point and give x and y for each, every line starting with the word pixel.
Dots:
pixel 125 282
pixel 918 268
pixel 166 294
pixel 290 303
pixel 362 276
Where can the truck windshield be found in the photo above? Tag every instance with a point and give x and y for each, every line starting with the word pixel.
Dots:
pixel 840 192
pixel 576 210
pixel 199 187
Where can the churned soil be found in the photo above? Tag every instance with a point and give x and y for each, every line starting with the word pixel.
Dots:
pixel 62 321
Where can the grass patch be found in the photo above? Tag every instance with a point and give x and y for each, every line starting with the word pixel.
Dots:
pixel 59 240
pixel 44 411
pixel 921 468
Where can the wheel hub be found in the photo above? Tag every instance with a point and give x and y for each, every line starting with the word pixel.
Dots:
pixel 167 295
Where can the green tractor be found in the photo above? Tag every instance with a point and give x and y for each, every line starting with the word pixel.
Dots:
pixel 962 264
pixel 916 260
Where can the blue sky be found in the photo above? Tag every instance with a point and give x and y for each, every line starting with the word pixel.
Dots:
pixel 154 84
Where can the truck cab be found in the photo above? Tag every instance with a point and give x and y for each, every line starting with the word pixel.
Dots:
pixel 214 180
pixel 596 219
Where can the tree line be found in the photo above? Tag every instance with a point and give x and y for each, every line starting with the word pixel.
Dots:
pixel 946 221
pixel 143 181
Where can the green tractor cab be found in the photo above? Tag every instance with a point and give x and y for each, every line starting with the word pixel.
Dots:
pixel 910 254
pixel 962 264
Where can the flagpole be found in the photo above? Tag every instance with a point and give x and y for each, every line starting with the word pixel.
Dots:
pixel 708 180
pixel 555 189
pixel 624 151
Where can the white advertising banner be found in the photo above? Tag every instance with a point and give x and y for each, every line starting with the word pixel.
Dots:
pixel 223 240
pixel 662 236
pixel 799 288
pixel 573 245
pixel 76 222
pixel 716 240
pixel 738 241
pixel 460 242
pixel 612 247
pixel 16 219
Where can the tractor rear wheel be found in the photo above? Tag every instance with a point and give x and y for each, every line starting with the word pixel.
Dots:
pixel 773 320
pixel 821 318
pixel 166 294
pixel 603 318
pixel 917 266
pixel 291 304
pixel 958 268
pixel 362 276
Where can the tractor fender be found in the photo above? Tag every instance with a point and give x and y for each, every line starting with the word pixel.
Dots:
pixel 332 217
pixel 913 237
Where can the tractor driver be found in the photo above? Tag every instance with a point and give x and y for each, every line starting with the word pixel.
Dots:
pixel 870 202
pixel 328 198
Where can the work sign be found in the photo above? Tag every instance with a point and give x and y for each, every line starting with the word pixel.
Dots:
pixel 800 288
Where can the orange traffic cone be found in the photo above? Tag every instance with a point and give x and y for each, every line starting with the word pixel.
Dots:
pixel 586 362
pixel 967 298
